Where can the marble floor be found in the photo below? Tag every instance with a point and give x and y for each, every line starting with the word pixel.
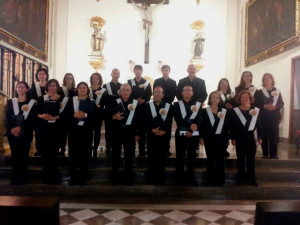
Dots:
pixel 157 214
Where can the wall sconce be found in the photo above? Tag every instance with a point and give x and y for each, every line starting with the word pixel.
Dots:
pixel 198 2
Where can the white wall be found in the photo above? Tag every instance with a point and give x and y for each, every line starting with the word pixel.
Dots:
pixel 170 40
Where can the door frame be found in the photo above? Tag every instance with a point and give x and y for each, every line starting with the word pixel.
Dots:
pixel 292 97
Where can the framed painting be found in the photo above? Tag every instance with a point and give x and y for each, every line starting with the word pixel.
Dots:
pixel 24 25
pixel 272 27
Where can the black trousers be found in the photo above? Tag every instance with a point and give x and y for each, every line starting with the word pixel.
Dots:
pixel 96 135
pixel 157 146
pixel 20 147
pixel 215 168
pixel 185 147
pixel 78 153
pixel 108 133
pixel 246 158
pixel 270 139
pixel 123 137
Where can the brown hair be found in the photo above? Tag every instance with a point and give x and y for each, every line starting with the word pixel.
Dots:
pixel 219 85
pixel 239 96
pixel 65 77
pixel 53 81
pixel 99 76
pixel 85 84
pixel 210 96
pixel 242 83
pixel 271 76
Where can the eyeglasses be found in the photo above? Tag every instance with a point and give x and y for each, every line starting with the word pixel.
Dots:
pixel 158 93
pixel 187 90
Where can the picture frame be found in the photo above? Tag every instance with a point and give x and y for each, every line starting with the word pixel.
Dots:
pixel 24 25
pixel 272 27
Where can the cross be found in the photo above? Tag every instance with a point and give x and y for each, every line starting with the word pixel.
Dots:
pixel 147 9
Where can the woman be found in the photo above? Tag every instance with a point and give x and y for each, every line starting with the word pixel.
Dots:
pixel 246 84
pixel 269 100
pixel 68 90
pixel 79 114
pixel 38 90
pixel 98 94
pixel 227 97
pixel 214 135
pixel 48 126
pixel 245 119
pixel 20 118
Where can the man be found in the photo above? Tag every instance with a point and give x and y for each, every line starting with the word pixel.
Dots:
pixel 158 116
pixel 187 114
pixel 141 91
pixel 169 86
pixel 112 91
pixel 125 118
pixel 196 83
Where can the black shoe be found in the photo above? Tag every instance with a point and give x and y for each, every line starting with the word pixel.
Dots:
pixel 226 154
pixel 94 153
pixel 193 183
pixel 274 157
pixel 72 182
pixel 265 157
pixel 253 183
pixel 37 154
pixel 168 154
pixel 62 153
pixel 142 154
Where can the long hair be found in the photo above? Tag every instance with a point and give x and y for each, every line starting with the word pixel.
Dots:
pixel 99 76
pixel 65 77
pixel 219 85
pixel 39 70
pixel 242 83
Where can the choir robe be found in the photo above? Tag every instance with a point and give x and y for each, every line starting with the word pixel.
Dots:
pixel 238 89
pixel 199 88
pixel 141 90
pixel 245 143
pixel 170 87
pixel 214 130
pixel 49 133
pixel 157 145
pixel 228 98
pixel 186 145
pixel 20 146
pixel 112 95
pixel 270 120
pixel 64 128
pixel 95 139
pixel 80 132
pixel 35 95
pixel 123 134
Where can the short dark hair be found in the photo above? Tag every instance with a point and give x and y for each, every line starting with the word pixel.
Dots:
pixel 239 96
pixel 210 96
pixel 166 67
pixel 99 76
pixel 159 87
pixel 53 81
pixel 39 70
pixel 26 86
pixel 85 84
pixel 137 67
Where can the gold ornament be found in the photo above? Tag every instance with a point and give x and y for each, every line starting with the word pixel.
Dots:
pixel 198 25
pixel 97 20
pixel 97 64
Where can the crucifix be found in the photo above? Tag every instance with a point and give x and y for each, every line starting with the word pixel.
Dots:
pixel 146 10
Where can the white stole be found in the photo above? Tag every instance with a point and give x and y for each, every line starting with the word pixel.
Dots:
pixel 76 108
pixel 146 84
pixel 210 116
pixel 131 114
pixel 266 93
pixel 38 89
pixel 221 122
pixel 153 111
pixel 182 109
pixel 222 96
pixel 194 114
pixel 65 90
pixel 63 104
pixel 240 115
pixel 91 93
pixel 253 120
pixel 17 110
pixel 98 98
pixel 109 89
pixel 133 83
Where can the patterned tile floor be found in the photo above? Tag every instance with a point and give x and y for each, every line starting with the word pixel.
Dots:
pixel 163 214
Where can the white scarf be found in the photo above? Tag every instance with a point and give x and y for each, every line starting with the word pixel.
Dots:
pixel 76 109
pixel 243 119
pixel 153 110
pixel 131 113
pixel 38 89
pixel 17 110
pixel 266 93
pixel 212 119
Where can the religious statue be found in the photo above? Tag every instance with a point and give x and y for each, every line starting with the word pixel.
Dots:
pixel 97 39
pixel 198 45
pixel 146 9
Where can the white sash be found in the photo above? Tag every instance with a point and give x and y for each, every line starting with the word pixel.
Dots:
pixel 253 120
pixel 133 83
pixel 266 93
pixel 66 92
pixel 221 122
pixel 76 109
pixel 275 99
pixel 194 114
pixel 167 107
pixel 252 93
pixel 109 89
pixel 182 109
pixel 210 116
pixel 153 110
pixel 38 89
pixel 15 106
pixel 240 115
pixel 63 104
pixel 91 93
pixel 119 100
pixel 131 114
pixel 146 84
pixel 222 96
pixel 195 133
pixel 98 98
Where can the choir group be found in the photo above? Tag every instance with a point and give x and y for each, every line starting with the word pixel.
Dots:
pixel 73 116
